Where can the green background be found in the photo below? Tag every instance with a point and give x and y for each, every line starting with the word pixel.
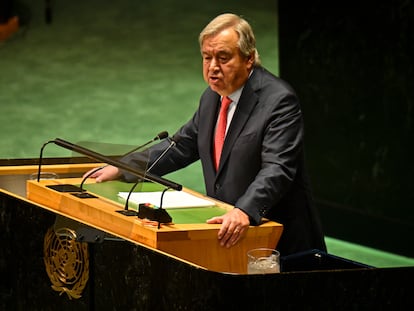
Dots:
pixel 110 72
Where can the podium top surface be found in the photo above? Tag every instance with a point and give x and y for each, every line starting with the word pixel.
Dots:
pixel 185 215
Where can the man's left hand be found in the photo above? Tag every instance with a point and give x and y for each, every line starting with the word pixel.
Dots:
pixel 234 224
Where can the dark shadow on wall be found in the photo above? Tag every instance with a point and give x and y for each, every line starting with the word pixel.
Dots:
pixel 351 64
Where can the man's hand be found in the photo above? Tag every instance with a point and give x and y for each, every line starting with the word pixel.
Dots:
pixel 233 225
pixel 105 173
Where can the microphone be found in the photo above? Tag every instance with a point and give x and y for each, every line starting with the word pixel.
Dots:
pixel 162 135
pixel 174 141
pixel 41 158
pixel 147 212
pixel 100 157
pixel 160 214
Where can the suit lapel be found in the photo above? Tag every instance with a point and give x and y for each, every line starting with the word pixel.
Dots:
pixel 245 106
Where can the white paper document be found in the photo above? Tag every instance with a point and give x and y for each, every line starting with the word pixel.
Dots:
pixel 171 199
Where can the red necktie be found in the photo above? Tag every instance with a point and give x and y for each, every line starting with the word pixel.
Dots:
pixel 221 130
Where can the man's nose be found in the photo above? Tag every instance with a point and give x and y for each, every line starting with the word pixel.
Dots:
pixel 213 65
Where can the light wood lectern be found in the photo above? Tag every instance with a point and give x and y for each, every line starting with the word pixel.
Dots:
pixel 195 243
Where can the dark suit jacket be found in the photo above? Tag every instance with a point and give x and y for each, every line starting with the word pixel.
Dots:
pixel 262 167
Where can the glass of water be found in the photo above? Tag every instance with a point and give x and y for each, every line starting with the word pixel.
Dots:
pixel 263 261
pixel 43 175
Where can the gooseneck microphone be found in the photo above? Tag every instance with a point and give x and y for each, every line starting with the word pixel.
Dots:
pixel 159 214
pixel 162 135
pixel 173 142
pixel 41 159
pixel 100 157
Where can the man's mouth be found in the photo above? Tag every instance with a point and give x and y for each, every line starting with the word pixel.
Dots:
pixel 213 79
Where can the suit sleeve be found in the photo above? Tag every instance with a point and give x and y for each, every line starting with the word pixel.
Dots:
pixel 281 149
pixel 181 155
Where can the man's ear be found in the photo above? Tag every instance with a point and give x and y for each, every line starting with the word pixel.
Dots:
pixel 250 59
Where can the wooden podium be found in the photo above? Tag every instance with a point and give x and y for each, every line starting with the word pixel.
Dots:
pixel 195 243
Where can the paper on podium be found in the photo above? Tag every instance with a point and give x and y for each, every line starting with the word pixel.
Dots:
pixel 171 199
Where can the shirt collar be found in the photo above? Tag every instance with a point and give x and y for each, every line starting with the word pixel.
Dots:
pixel 235 96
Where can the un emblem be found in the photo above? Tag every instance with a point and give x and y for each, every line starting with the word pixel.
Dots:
pixel 66 261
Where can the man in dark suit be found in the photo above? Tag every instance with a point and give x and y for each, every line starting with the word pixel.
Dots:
pixel 260 169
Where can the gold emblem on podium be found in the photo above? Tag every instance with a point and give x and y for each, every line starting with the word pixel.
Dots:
pixel 66 261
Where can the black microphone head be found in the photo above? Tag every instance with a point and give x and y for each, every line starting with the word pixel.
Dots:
pixel 176 138
pixel 162 135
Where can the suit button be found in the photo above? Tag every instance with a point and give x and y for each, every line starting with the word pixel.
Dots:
pixel 217 187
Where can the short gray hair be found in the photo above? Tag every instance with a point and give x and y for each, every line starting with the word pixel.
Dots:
pixel 247 41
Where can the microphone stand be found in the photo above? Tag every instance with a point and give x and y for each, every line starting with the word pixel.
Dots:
pixel 144 211
pixel 100 157
pixel 160 136
pixel 161 215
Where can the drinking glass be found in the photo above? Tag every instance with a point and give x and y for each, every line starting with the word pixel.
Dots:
pixel 263 261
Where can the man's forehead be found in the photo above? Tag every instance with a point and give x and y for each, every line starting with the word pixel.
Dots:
pixel 224 40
